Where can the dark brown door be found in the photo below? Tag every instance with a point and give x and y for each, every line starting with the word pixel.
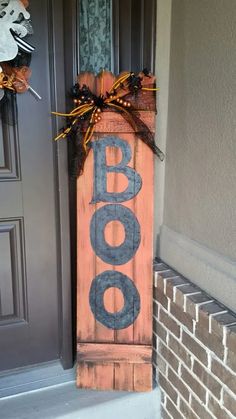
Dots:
pixel 35 324
pixel 134 35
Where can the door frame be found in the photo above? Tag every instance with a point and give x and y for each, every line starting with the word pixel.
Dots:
pixel 61 180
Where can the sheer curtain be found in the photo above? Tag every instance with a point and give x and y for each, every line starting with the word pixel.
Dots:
pixel 95 35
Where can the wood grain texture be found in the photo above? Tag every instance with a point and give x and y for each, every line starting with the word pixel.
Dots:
pixel 124 376
pixel 119 359
pixel 114 122
pixel 104 376
pixel 97 352
pixel 143 208
pixel 102 333
pixel 143 377
pixel 125 335
pixel 86 266
pixel 85 375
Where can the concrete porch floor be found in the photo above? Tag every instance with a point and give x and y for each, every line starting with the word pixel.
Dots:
pixel 65 401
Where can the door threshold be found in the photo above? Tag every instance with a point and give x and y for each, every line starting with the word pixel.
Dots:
pixel 22 380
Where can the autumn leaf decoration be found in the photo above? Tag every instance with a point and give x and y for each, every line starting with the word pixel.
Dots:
pixel 92 95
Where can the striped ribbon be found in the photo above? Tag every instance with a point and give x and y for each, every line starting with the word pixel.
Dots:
pixel 23 45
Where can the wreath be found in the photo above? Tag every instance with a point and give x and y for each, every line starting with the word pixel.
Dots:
pixel 15 51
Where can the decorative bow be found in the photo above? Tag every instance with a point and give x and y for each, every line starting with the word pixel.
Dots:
pixel 94 95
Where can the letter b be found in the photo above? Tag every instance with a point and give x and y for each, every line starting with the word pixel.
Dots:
pixel 101 169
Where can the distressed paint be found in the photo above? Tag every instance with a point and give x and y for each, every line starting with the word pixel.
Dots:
pixel 127 315
pixel 116 188
pixel 102 169
pixel 115 255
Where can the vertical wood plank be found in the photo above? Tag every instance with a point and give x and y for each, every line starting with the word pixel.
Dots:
pixel 85 375
pixel 103 334
pixel 125 335
pixel 142 377
pixel 143 258
pixel 124 379
pixel 85 254
pixel 104 376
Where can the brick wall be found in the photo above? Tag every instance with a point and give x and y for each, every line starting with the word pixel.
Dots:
pixel 194 349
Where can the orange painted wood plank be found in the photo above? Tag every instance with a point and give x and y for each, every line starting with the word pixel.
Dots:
pixel 104 376
pixel 123 367
pixel 123 377
pixel 85 254
pixel 144 256
pixel 85 375
pixel 98 352
pixel 102 333
pixel 112 122
pixel 115 235
pixel 125 335
pixel 143 377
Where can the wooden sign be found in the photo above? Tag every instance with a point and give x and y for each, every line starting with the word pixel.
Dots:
pixel 114 284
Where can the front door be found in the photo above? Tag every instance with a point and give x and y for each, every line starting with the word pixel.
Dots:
pixel 34 284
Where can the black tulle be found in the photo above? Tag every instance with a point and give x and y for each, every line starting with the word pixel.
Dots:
pixel 78 154
pixel 79 130
pixel 8 108
pixel 23 59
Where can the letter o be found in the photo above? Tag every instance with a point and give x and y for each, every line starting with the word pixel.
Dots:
pixel 128 314
pixel 115 255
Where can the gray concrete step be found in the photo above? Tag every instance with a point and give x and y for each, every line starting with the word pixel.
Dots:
pixel 64 401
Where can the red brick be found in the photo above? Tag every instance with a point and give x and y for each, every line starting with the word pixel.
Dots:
pixel 169 274
pixel 207 379
pixel 173 282
pixel 163 396
pixel 155 309
pixel 161 278
pixel 213 308
pixel 221 320
pixel 183 318
pixel 224 375
pixel 159 281
pixel 158 265
pixel 230 403
pixel 168 356
pixel 160 297
pixel 195 385
pixel 231 338
pixel 215 408
pixel 192 302
pixel 164 414
pixel 154 342
pixel 159 362
pixel 200 409
pixel 210 340
pixel 195 348
pixel 186 410
pixel 159 330
pixel 206 310
pixel 172 409
pixel 179 350
pixel 178 383
pixel 170 323
pixel 231 361
pixel 167 388
pixel 183 291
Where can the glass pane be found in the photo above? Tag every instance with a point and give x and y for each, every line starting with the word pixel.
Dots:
pixel 95 37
